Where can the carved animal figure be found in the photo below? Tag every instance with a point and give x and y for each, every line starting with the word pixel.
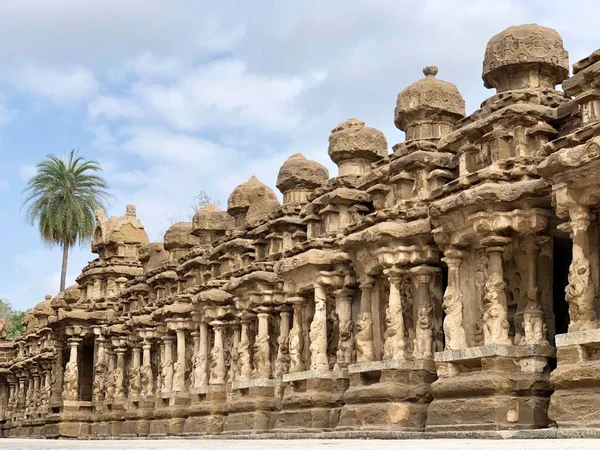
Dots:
pixel 363 340
pixel 453 327
pixel 424 333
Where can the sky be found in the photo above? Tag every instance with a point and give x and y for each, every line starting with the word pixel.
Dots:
pixel 178 97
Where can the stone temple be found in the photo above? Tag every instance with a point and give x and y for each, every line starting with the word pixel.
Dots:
pixel 452 285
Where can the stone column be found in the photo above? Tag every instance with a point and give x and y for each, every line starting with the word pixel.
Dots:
pixel 135 380
pixel 495 317
pixel 201 357
pixel 110 378
pixel 235 356
pixel 364 323
pixel 47 389
pixel 318 331
pixel 282 364
pixel 71 375
pixel 146 375
pixel 454 331
pixel 424 327
pixel 179 377
pixel 58 375
pixel 343 300
pixel 11 394
pixel 120 373
pixel 262 346
pixel 244 369
pixel 217 355
pixel 297 337
pixel 100 371
pixel 35 395
pixel 580 292
pixel 167 364
pixel 534 329
pixel 21 394
pixel 394 343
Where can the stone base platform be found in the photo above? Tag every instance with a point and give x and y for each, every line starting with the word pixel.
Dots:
pixel 493 387
pixel 206 412
pixel 576 380
pixel 312 401
pixel 253 406
pixel 387 395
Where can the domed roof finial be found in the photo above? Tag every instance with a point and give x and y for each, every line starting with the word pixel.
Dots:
pixel 430 71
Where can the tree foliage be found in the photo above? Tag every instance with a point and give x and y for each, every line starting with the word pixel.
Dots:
pixel 15 327
pixel 62 198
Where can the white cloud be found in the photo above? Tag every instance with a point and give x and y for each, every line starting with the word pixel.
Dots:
pixel 63 86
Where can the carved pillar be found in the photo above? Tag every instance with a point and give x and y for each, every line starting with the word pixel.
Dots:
pixel 111 381
pixel 201 357
pixel 534 327
pixel 454 332
pixel 120 373
pixel 262 347
pixel 318 331
pixel 35 395
pixel 233 373
pixel 282 364
pixel 244 369
pixel 343 300
pixel 147 377
pixel 394 344
pixel 580 292
pixel 135 380
pixel 296 337
pixel 424 327
pixel 57 373
pixel 100 371
pixel 217 355
pixel 495 317
pixel 167 364
pixel 71 375
pixel 21 393
pixel 179 376
pixel 363 340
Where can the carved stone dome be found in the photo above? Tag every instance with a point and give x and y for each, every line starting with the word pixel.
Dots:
pixel 179 236
pixel 353 147
pixel 428 108
pixel 251 201
pixel 299 175
pixel 525 56
pixel 210 218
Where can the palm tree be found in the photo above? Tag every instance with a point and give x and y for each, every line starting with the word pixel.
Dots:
pixel 62 198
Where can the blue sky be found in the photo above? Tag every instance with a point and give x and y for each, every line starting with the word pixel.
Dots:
pixel 177 97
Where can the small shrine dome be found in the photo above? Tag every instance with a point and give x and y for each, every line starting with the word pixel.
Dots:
pixel 353 147
pixel 211 218
pixel 179 236
pixel 251 201
pixel 525 56
pixel 300 175
pixel 428 108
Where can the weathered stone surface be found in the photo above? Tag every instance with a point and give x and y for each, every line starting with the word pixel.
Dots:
pixel 447 289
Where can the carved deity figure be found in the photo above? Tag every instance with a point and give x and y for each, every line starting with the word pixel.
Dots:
pixel 217 370
pixel 533 324
pixel 282 363
pixel 495 318
pixel 146 380
pixel 296 348
pixel 394 344
pixel 580 296
pixel 166 369
pixel 453 322
pixel 71 378
pixel 345 344
pixel 363 340
pixel 423 343
pixel 100 374
pixel 262 352
pixel 318 354
pixel 200 375
pixel 244 362
pixel 118 377
pixel 135 382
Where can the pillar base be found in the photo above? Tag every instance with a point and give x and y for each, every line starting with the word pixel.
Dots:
pixel 311 401
pixel 390 395
pixel 493 387
pixel 576 380
pixel 253 406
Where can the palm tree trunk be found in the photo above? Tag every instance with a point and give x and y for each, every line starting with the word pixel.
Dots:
pixel 63 273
